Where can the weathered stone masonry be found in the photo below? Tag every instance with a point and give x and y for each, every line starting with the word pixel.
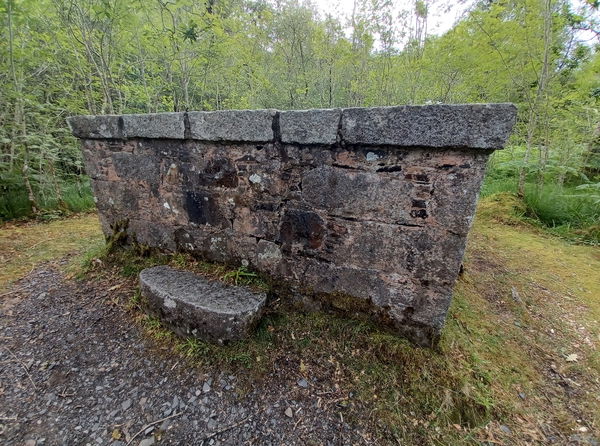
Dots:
pixel 368 204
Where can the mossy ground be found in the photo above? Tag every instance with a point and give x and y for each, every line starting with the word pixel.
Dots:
pixel 517 363
pixel 25 245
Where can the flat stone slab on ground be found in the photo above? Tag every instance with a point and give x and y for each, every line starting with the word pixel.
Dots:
pixel 192 305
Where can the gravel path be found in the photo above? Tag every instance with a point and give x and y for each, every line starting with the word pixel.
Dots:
pixel 74 370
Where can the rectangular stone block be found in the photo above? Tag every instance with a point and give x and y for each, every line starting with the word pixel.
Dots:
pixel 155 125
pixel 310 126
pixel 232 125
pixel 96 127
pixel 481 126
pixel 378 219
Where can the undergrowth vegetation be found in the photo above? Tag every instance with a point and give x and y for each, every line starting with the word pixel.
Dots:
pixel 561 211
pixel 73 197
pixel 569 209
pixel 23 246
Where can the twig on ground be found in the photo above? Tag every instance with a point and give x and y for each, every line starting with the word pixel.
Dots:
pixel 22 365
pixel 298 422
pixel 225 429
pixel 152 424
pixel 8 418
pixel 40 242
pixel 16 290
pixel 64 393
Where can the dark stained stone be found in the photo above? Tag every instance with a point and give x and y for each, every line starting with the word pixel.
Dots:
pixel 203 209
pixel 303 227
pixel 191 305
pixel 217 172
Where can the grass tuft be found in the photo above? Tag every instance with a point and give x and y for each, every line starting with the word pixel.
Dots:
pixel 565 212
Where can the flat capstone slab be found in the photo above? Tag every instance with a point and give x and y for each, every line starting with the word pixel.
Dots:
pixel 310 126
pixel 193 306
pixel 464 126
pixel 232 125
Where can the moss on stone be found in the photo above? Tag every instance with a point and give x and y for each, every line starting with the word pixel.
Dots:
pixel 119 235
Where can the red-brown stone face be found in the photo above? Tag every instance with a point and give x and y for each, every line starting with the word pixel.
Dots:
pixel 385 224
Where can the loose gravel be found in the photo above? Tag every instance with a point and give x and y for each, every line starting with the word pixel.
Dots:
pixel 75 370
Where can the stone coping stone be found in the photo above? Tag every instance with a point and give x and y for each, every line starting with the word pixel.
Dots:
pixel 232 125
pixel 483 126
pixel 154 125
pixel 310 126
pixel 474 126
pixel 96 127
pixel 192 305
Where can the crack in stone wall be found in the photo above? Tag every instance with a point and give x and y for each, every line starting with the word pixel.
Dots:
pixel 373 204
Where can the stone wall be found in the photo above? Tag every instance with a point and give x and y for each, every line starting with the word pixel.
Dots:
pixel 370 206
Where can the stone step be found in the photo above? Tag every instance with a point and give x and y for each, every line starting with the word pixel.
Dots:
pixel 192 305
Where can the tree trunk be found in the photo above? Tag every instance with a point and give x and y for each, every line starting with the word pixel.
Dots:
pixel 539 96
pixel 531 124
pixel 19 128
pixel 13 136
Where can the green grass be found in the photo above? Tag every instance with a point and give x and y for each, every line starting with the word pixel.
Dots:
pixel 131 260
pixel 564 211
pixel 77 197
pixel 403 383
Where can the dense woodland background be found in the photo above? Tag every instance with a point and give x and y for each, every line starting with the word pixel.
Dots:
pixel 66 57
